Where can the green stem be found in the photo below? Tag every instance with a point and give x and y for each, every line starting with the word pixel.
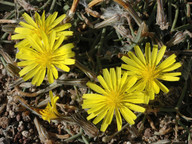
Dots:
pixel 182 95
pixel 3 61
pixel 183 27
pixel 85 140
pixel 84 69
pixel 100 44
pixel 4 36
pixel 44 6
pixel 152 16
pixel 169 12
pixel 52 6
pixel 176 17
pixel 7 3
pixel 75 136
pixel 167 109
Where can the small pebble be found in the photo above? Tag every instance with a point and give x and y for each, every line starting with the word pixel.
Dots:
pixel 18 117
pixel 20 126
pixel 25 133
pixel 25 116
pixel 4 122
pixel 11 114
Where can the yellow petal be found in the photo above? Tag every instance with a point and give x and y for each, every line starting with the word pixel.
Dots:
pixel 29 20
pixel 139 54
pixel 104 127
pixel 22 30
pixel 160 54
pixel 118 73
pixel 25 63
pixel 131 81
pixel 31 73
pixel 154 54
pixel 95 87
pixel 118 119
pixel 18 36
pixel 131 68
pixel 100 116
pixel 131 62
pixel 113 78
pixel 91 116
pixel 107 120
pixel 39 77
pixel 69 61
pixel 59 42
pixel 38 19
pixel 62 27
pixel 107 78
pixel 148 53
pixel 168 78
pixel 172 74
pixel 27 69
pixel 63 67
pixel 135 107
pixel 52 39
pixel 23 24
pixel 65 34
pixel 102 82
pixel 123 80
pixel 65 48
pixel 97 108
pixel 166 63
pixel 132 56
pixel 172 67
pixel 51 18
pixel 23 43
pixel 155 87
pixel 54 71
pixel 128 115
pixel 162 86
pixel 58 20
pixel 50 76
pixel 34 43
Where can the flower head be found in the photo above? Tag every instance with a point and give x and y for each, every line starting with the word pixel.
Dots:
pixel 115 96
pixel 38 25
pixel 50 112
pixel 149 70
pixel 44 55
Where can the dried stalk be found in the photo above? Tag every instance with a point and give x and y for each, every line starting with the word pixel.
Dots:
pixel 161 18
pixel 127 6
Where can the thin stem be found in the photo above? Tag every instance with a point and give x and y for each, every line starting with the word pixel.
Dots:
pixel 100 44
pixel 127 6
pixel 183 27
pixel 84 69
pixel 52 6
pixel 75 136
pixel 7 3
pixel 85 140
pixel 176 17
pixel 169 12
pixel 182 94
pixel 44 6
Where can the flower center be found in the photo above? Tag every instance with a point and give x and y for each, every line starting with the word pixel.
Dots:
pixel 45 58
pixel 114 98
pixel 149 73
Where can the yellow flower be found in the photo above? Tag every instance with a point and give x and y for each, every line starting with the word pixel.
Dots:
pixel 115 96
pixel 50 112
pixel 149 70
pixel 44 55
pixel 40 24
